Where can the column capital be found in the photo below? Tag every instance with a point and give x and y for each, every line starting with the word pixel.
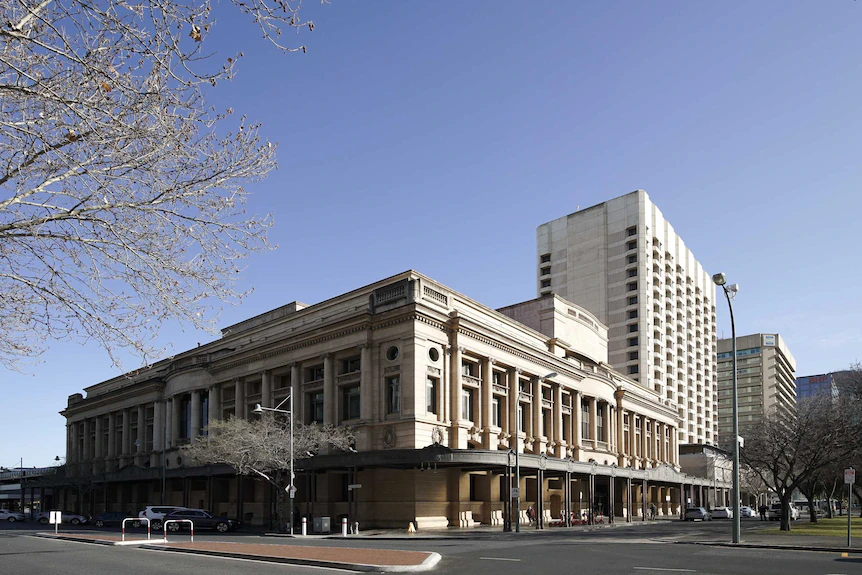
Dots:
pixel 326 355
pixel 492 361
pixel 461 349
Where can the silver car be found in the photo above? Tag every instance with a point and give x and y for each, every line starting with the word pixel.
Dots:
pixel 11 516
pixel 697 514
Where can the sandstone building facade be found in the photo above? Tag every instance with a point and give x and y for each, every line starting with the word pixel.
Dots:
pixel 439 391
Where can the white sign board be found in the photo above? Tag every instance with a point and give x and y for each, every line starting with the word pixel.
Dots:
pixel 55 517
pixel 353 486
pixel 849 476
pixel 516 493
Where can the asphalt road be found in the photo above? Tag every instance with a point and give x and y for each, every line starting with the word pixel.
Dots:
pixel 640 549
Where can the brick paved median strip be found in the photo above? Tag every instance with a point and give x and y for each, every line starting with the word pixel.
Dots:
pixel 360 559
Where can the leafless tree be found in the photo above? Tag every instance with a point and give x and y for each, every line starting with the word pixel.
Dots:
pixel 786 452
pixel 121 189
pixel 261 447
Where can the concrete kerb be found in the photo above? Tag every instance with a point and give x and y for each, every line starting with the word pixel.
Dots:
pixel 79 539
pixel 429 563
pixel 774 546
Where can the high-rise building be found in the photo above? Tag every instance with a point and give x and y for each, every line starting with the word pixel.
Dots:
pixel 765 371
pixel 816 386
pixel 624 262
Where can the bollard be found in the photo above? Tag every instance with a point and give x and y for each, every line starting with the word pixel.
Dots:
pixel 356 527
pixel 344 526
pixel 304 526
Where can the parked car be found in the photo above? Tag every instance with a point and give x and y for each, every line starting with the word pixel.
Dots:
pixel 113 518
pixel 66 517
pixel 721 513
pixel 155 513
pixel 774 513
pixel 697 514
pixel 202 520
pixel 11 516
pixel 746 511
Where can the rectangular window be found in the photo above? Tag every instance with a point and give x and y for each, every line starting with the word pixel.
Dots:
pixel 393 394
pixel 546 271
pixel 633 272
pixel 315 407
pixel 633 328
pixel 585 419
pixel 496 412
pixel 431 395
pixel 633 314
pixel 185 417
pixel 350 365
pixel 497 378
pixel 600 425
pixel 522 418
pixel 468 369
pixel 467 404
pixel 633 245
pixel 314 373
pixel 632 286
pixel 633 369
pixel 545 258
pixel 546 283
pixel 632 231
pixel 473 495
pixel 633 300
pixel 633 341
pixel 632 259
pixel 350 400
pixel 633 355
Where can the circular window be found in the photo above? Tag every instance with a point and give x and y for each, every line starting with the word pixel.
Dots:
pixel 179 460
pixel 434 354
pixel 392 353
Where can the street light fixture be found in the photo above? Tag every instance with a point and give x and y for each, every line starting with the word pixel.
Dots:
pixel 291 489
pixel 730 292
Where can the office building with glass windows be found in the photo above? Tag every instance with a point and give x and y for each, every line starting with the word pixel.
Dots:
pixel 765 371
pixel 439 390
pixel 821 387
pixel 625 263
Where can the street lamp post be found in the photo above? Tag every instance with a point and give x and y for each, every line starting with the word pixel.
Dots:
pixel 291 489
pixel 730 292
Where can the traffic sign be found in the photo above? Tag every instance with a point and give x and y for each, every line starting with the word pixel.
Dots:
pixel 849 476
pixel 56 517
pixel 516 493
pixel 353 486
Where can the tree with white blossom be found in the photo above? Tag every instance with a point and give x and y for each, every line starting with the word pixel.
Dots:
pixel 122 190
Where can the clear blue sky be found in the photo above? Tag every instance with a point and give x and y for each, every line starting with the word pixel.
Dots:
pixel 437 136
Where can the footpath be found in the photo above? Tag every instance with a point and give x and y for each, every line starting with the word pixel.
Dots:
pixel 353 558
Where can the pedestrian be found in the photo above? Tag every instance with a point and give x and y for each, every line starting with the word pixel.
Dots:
pixel 531 514
pixel 762 509
pixel 652 510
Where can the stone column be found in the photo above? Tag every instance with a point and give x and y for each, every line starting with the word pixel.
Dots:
pixel 142 430
pixel 330 402
pixel 295 387
pixel 158 424
pixel 214 411
pixel 239 399
pixel 576 419
pixel 512 377
pixel 644 454
pixel 112 435
pixel 170 436
pixel 537 415
pixel 557 420
pixel 594 411
pixel 366 405
pixel 455 397
pixel 620 412
pixel 486 398
pixel 127 433
pixel 196 415
pixel 85 433
pixel 266 388
pixel 99 451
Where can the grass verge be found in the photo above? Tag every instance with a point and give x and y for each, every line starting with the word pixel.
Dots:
pixel 835 527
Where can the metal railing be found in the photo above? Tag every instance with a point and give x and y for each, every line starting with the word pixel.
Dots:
pixel 138 519
pixel 178 521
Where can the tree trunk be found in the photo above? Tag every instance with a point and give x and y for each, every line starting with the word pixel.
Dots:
pixel 785 510
pixel 829 512
pixel 279 503
pixel 809 489
pixel 812 510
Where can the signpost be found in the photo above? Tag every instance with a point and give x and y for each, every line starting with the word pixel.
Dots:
pixel 55 519
pixel 849 479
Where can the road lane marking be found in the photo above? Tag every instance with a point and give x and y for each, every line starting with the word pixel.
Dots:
pixel 498 559
pixel 664 569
